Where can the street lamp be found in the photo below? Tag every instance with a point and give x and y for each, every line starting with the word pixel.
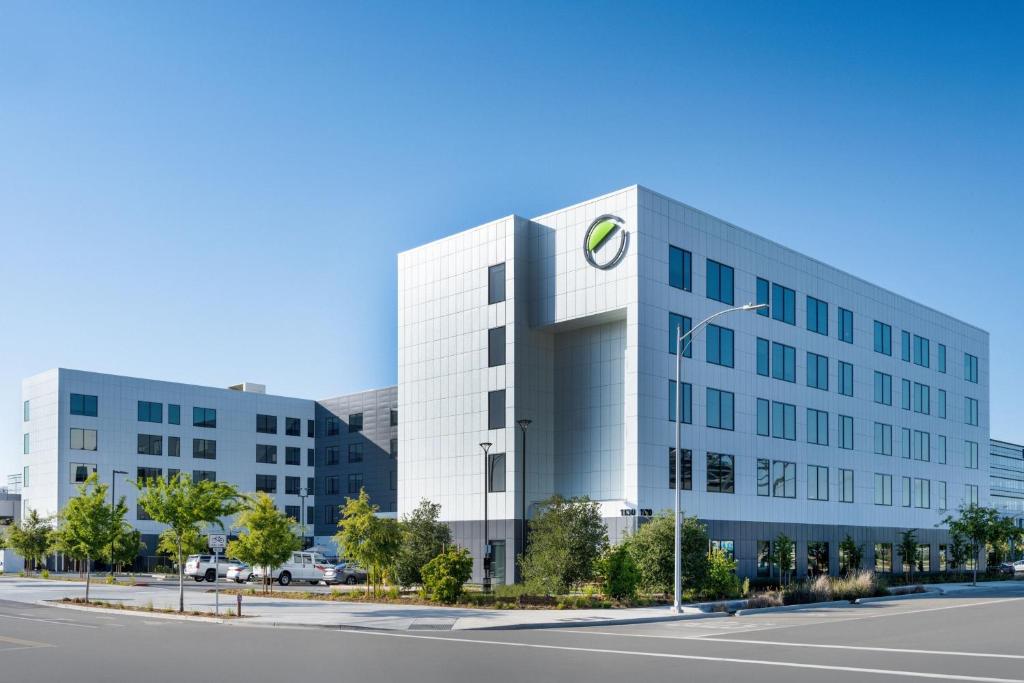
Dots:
pixel 680 336
pixel 303 494
pixel 113 499
pixel 523 424
pixel 486 446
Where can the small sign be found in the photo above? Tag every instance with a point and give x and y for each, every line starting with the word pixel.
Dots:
pixel 217 541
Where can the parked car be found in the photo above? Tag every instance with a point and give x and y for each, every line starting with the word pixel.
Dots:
pixel 302 566
pixel 1012 567
pixel 239 572
pixel 201 567
pixel 345 572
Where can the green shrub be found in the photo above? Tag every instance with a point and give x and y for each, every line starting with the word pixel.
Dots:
pixel 581 602
pixel 109 580
pixel 721 581
pixel 444 576
pixel 652 550
pixel 567 537
pixel 45 573
pixel 620 573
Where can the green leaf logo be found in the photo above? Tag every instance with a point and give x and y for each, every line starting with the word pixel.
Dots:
pixel 604 243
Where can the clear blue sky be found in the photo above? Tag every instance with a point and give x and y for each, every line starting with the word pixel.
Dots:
pixel 216 193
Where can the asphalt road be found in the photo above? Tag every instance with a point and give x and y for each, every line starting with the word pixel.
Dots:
pixel 976 638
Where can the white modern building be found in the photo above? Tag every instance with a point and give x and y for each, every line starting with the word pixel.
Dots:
pixel 844 409
pixel 76 423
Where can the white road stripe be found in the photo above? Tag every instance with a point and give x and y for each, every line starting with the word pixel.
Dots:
pixel 899 650
pixel 48 621
pixel 730 660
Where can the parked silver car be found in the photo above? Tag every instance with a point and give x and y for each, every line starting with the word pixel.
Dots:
pixel 239 572
pixel 345 572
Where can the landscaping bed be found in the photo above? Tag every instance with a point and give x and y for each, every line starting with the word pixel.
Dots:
pixel 227 613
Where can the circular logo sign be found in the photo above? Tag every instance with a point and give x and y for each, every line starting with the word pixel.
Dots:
pixel 604 243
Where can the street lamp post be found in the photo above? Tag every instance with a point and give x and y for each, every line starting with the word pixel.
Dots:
pixel 303 494
pixel 523 424
pixel 113 502
pixel 680 336
pixel 486 446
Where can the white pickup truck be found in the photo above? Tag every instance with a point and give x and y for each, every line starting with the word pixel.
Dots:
pixel 201 567
pixel 303 566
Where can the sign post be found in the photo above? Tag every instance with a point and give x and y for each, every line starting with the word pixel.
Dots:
pixel 217 543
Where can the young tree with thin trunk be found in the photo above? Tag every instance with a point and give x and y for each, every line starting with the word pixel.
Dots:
pixel 267 540
pixel 783 555
pixel 907 548
pixel 975 524
pixel 853 553
pixel 423 539
pixel 192 542
pixel 183 505
pixel 33 538
pixel 126 547
pixel 367 539
pixel 88 525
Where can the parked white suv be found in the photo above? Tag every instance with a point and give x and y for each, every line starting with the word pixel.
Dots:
pixel 303 566
pixel 201 567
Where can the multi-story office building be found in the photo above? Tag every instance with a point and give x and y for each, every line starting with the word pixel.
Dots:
pixel 843 409
pixel 357 447
pixel 1006 470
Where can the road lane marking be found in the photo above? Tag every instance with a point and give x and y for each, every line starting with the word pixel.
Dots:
pixel 702 658
pixel 23 644
pixel 48 621
pixel 864 648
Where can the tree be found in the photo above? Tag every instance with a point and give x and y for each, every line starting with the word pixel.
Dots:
pixel 853 554
pixel 423 539
pixel 621 576
pixel 33 538
pixel 722 581
pixel 653 553
pixel 959 550
pixel 566 539
pixel 88 524
pixel 127 546
pixel 907 548
pixel 367 539
pixel 182 505
pixel 445 575
pixel 192 542
pixel 783 555
pixel 977 525
pixel 268 540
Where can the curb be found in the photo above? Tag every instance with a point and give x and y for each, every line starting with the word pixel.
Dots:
pixel 792 608
pixel 602 622
pixel 131 612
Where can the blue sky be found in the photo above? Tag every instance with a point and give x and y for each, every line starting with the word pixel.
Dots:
pixel 216 192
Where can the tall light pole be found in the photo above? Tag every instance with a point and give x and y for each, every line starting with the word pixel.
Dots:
pixel 486 562
pixel 523 424
pixel 113 502
pixel 677 605
pixel 303 494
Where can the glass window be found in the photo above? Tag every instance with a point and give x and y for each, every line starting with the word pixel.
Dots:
pixel 942 358
pixel 845 325
pixel 719 345
pixel 495 285
pixel 333 425
pixel 764 477
pixel 680 268
pixel 173 414
pixel 355 423
pixel 940 495
pixel 266 424
pixel 290 510
pixel 922 494
pixel 817 482
pixel 85 405
pixel 971 455
pixel 394 417
pixel 266 483
pixel 394 447
pixel 905 442
pixel 292 485
pixel 762 357
pixel 817 558
pixel 25 445
pixel 883 557
pixel 83 439
pixel 906 491
pixel 783 421
pixel 204 448
pixel 355 483
pixel 764 559
pixel 292 455
pixel 27 410
pixel 355 452
pixel 783 304
pixel 174 446
pixel 720 409
pixel 971 411
pixel 922 351
pixel 883 388
pixel 817 427
pixel 151 412
pixel 144 473
pixel 720 282
pixel 783 362
pixel 817 371
pixel 883 489
pixel 332 455
pixel 924 557
pixel 496 346
pixel 905 345
pixel 721 473
pixel 845 378
pixel 292 426
pixel 845 486
pixel 883 338
pixel 496 409
pixel 971 494
pixel 727 547
pixel 679 325
pixel 204 417
pixel 922 446
pixel 883 438
pixel 331 486
pixel 330 514
pixel 817 315
pixel 150 444
pixel 266 454
pixel 763 417
pixel 687 401
pixel 763 295
pixel 497 473
pixel 310 428
pixel 310 457
pixel 784 479
pixel 203 475
pixel 940 447
pixel 687 467
pixel 905 394
pixel 942 403
pixel 922 399
pixel 80 471
pixel 24 476
pixel 971 368
pixel 846 432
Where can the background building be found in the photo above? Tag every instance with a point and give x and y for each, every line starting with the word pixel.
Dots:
pixel 846 408
pixel 1006 470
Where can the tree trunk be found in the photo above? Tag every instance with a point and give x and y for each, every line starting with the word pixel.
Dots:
pixel 88 576
pixel 975 582
pixel 181 579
